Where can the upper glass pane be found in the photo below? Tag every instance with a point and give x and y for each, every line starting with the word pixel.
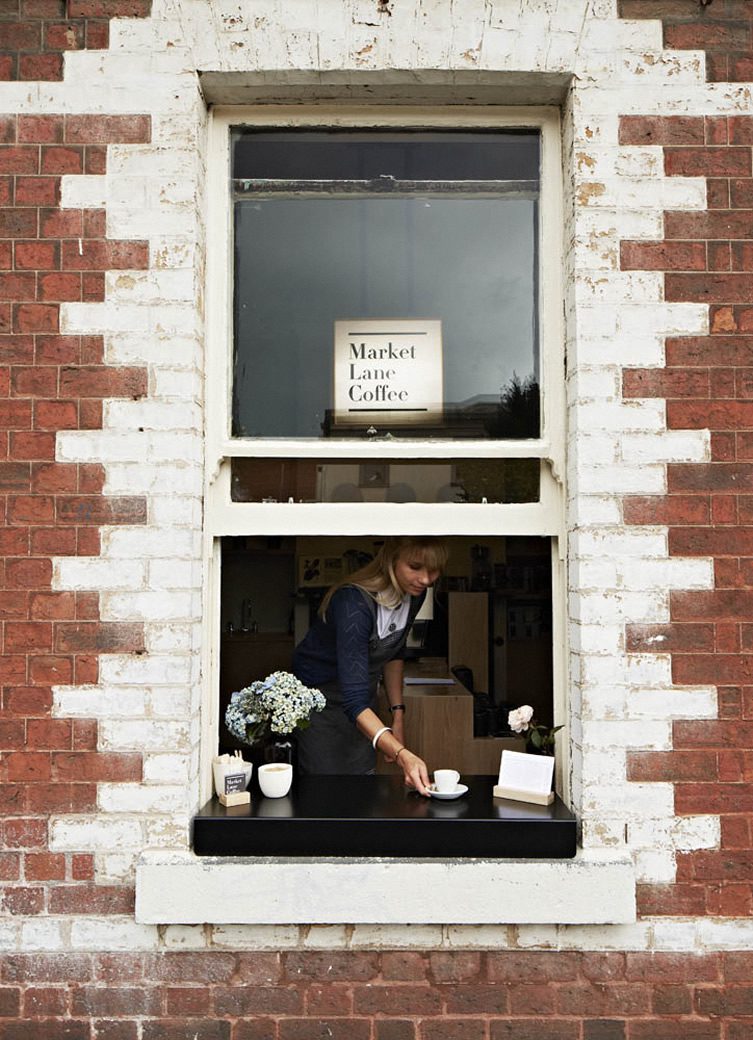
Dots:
pixel 385 282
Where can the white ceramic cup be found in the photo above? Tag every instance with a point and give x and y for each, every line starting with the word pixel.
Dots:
pixel 446 780
pixel 275 779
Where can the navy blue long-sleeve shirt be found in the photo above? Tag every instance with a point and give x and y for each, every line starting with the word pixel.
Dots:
pixel 338 648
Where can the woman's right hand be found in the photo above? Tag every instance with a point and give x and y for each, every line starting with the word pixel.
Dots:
pixel 414 771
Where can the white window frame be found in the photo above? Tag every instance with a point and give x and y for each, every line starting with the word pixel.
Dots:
pixel 598 885
pixel 224 517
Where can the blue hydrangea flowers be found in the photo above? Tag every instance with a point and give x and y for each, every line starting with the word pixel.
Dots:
pixel 278 704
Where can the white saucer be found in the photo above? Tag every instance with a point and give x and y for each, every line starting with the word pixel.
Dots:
pixel 460 789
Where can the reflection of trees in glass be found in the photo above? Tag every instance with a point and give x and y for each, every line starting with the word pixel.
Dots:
pixel 518 411
pixel 497 480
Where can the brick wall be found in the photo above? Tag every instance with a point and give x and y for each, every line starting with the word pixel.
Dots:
pixel 51 382
pixel 705 257
pixel 442 995
pixel 91 707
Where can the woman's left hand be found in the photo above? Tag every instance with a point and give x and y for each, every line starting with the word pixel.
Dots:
pixel 414 770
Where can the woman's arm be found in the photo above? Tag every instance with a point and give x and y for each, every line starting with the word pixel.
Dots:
pixel 392 674
pixel 414 768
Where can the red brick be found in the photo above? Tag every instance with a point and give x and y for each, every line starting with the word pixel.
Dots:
pixel 17 286
pixel 707 162
pixel 469 999
pixel 55 541
pixel 28 574
pixel 10 866
pixel 62 798
pixel 707 35
pixel 709 477
pixel 40 66
pixel 96 129
pixel 30 509
pixel 45 1002
pixel 57 286
pixel 661 130
pixel 454 1029
pixel 68 36
pixel 56 223
pixel 103 381
pixel 33 381
pixel 105 255
pixel 32 446
pixel 95 159
pixel 49 733
pixel 199 1029
pixel 662 256
pixel 12 734
pixel 93 766
pixel 54 477
pixel 115 1002
pixel 455 966
pixel 58 350
pixel 40 129
pixel 715 224
pixel 37 255
pixel 671 766
pixel 19 159
pixel 47 968
pixel 28 700
pixel 345 965
pixel 28 766
pixel 23 900
pixel 27 635
pixel 676 900
pixel 109 9
pixel 670 383
pixel 94 899
pixel 44 866
pixel 26 833
pixel 35 317
pixel 49 669
pixel 535 1029
pixel 55 415
pixel 82 867
pixel 91 509
pixel 97 35
pixel 684 1029
pixel 695 798
pixel 189 1001
pixel 257 1000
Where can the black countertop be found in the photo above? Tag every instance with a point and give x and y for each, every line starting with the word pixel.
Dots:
pixel 378 816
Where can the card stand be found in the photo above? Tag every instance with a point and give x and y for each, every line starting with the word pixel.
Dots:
pixel 517 795
pixel 235 798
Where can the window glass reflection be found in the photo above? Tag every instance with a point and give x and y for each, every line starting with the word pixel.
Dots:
pixel 411 226
pixel 361 480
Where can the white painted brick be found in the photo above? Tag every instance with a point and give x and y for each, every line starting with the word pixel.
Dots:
pixel 160 699
pixel 98 318
pixel 616 605
pixel 151 735
pixel 668 318
pixel 140 798
pixel 622 480
pixel 9 935
pixel 93 701
pixel 98 933
pixel 670 446
pixel 466 937
pixel 602 382
pixel 254 936
pixel 115 868
pixel 103 446
pixel 630 544
pixel 165 768
pixel 142 542
pixel 176 638
pixel 725 935
pixel 174 574
pixel 77 835
pixel 683 703
pixel 628 800
pixel 173 352
pixel 592 573
pixel 597 639
pixel 165 669
pixel 83 192
pixel 44 934
pixel 152 605
pixel 652 735
pixel 615 287
pixel 627 416
pixel 696 832
pixel 150 287
pixel 671 574
pixel 604 701
pixel 605 937
pixel 184 383
pixel 594 509
pixel 655 866
pixel 176 509
pixel 674 935
pixel 170 832
pixel 125 479
pixel 186 937
pixel 96 573
pixel 152 415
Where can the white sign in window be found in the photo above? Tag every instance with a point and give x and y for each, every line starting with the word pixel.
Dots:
pixel 387 372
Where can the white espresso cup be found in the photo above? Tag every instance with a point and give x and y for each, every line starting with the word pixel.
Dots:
pixel 446 780
pixel 275 779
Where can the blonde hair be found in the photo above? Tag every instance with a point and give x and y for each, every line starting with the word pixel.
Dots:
pixel 378 579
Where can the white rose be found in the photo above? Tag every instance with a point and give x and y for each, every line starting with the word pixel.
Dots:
pixel 518 720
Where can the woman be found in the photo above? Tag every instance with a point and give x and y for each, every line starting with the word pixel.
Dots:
pixel 360 634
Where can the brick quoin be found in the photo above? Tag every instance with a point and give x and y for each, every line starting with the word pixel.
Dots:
pixel 706 383
pixel 51 382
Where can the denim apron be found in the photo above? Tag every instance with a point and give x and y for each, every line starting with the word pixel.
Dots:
pixel 332 744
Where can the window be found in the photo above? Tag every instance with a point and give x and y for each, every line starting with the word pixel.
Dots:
pixel 386 332
pixel 273 479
